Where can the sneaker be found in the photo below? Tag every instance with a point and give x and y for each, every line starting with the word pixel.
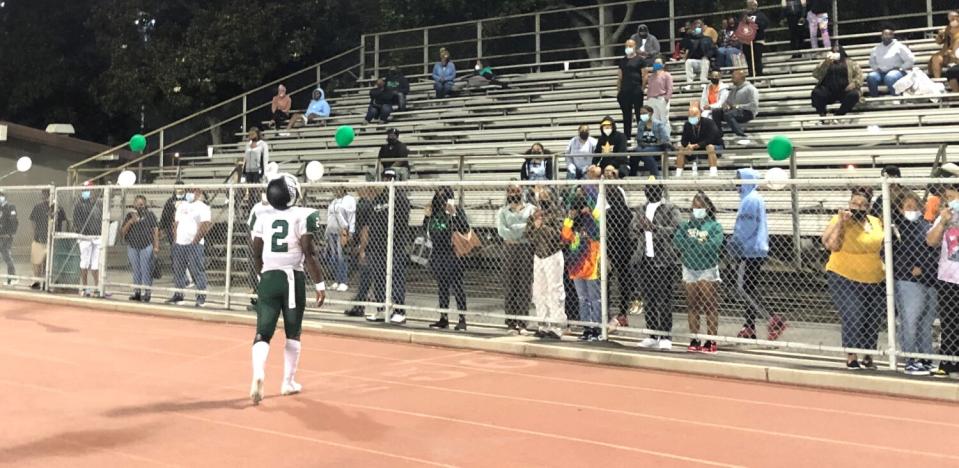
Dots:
pixel 914 367
pixel 35 285
pixel 747 332
pixel 710 347
pixel 694 347
pixel 334 286
pixel 540 333
pixel 175 300
pixel 587 335
pixel 200 303
pixel 290 388
pixel 853 365
pixel 256 391
pixel 441 324
pixel 135 297
pixel 650 342
pixel 460 325
pixel 595 335
pixel 551 335
pixel 927 364
pixel 940 371
pixel 342 288
pixel 777 325
pixel 665 344
pixel 13 282
pixel 145 298
pixel 354 312
pixel 512 331
pixel 375 317
pixel 398 318
pixel 868 363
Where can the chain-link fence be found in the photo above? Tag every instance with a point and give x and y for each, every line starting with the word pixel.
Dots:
pixel 24 217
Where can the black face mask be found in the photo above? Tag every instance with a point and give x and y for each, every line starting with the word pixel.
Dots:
pixel 514 198
pixel 583 135
pixel 858 215
pixel 392 139
pixel 643 35
pixel 714 81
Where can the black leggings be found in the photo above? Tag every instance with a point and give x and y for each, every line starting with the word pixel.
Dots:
pixel 448 270
pixel 821 97
pixel 630 101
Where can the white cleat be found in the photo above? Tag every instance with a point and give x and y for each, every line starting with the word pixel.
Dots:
pixel 291 388
pixel 256 391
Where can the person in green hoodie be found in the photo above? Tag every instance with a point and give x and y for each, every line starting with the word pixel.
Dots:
pixel 699 241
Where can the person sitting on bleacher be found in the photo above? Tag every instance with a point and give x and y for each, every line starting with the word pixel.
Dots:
pixel 537 167
pixel 699 134
pixel 728 45
pixel 948 38
pixel 579 153
pixel 839 80
pixel 280 106
pixel 659 91
pixel 652 139
pixel 483 75
pixel 714 94
pixel 890 61
pixel 952 77
pixel 381 103
pixel 700 50
pixel 396 81
pixel 740 106
pixel 395 149
pixel 444 73
pixel 318 109
pixel 611 141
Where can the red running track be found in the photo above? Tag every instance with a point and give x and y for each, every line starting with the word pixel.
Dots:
pixel 86 388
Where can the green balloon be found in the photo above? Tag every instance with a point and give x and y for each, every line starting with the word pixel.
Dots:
pixel 780 148
pixel 344 136
pixel 138 143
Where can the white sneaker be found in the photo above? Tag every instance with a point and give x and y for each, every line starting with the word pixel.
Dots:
pixel 334 286
pixel 649 342
pixel 290 388
pixel 374 317
pixel 665 344
pixel 398 319
pixel 342 287
pixel 256 391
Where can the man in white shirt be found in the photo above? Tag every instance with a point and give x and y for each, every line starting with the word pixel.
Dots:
pixel 191 224
pixel 889 61
pixel 340 226
pixel 579 153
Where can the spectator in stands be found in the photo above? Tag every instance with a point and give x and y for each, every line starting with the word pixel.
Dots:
pixel 511 222
pixel 839 80
pixel 895 189
pixel 952 78
pixel 364 213
pixel 580 234
pixel 483 75
pixel 700 50
pixel 948 38
pixel 256 156
pixel 714 95
pixel 443 219
pixel 794 15
pixel 740 106
pixel 653 226
pixel 710 32
pixel 544 231
pixel 758 22
pixel 169 212
pixel 659 92
pixel 340 227
pixel 397 83
pixel 620 245
pixel 381 103
pixel 652 140
pixel 537 167
pixel 280 107
pixel 611 141
pixel 728 46
pixel 915 268
pixel 579 153
pixel 749 247
pixel 395 149
pixel 699 134
pixel 890 61
pixel 944 234
pixel 855 274
pixel 87 220
pixel 817 18
pixel 40 217
pixel 191 224
pixel 317 110
pixel 8 228
pixel 647 47
pixel 378 243
pixel 699 242
pixel 444 73
pixel 142 236
pixel 629 86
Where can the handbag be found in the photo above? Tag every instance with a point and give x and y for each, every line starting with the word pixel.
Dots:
pixel 422 250
pixel 463 244
pixel 746 31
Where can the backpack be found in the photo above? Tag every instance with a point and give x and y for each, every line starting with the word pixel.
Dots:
pixel 746 31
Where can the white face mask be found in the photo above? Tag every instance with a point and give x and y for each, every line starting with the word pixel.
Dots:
pixel 477 68
pixel 912 215
pixel 699 213
pixel 190 197
pixel 630 50
pixel 607 131
pixel 834 56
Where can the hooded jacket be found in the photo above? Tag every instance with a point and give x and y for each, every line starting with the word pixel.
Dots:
pixel 614 143
pixel 8 219
pixel 580 234
pixel 320 106
pixel 750 237
pixel 396 81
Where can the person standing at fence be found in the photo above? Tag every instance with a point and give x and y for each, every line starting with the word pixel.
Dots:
pixel 749 246
pixel 659 91
pixel 544 231
pixel 280 107
pixel 191 224
pixel 619 245
pixel 629 85
pixel 379 241
pixel 256 156
pixel 653 227
pixel 340 226
pixel 444 74
pixel 87 220
pixel 889 61
pixel 364 213
pixel 699 241
pixel 40 217
pixel 579 153
pixel 944 235
pixel 915 267
pixel 580 235
pixel 855 275
pixel 255 212
pixel 511 221
pixel 8 228
pixel 142 236
pixel 757 21
pixel 443 218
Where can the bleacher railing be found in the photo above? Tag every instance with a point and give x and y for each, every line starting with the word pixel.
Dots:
pixel 396 255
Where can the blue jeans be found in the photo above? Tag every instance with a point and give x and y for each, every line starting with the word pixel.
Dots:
pixel 379 111
pixel 336 257
pixel 141 261
pixel 442 88
pixel 650 162
pixel 877 78
pixel 725 56
pixel 192 257
pixel 589 300
pixel 916 304
pixel 861 309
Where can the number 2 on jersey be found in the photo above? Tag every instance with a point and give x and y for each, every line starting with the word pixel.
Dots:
pixel 281 229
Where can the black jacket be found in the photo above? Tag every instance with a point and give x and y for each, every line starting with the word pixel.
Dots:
pixel 397 82
pixel 524 171
pixel 394 150
pixel 8 219
pixel 167 217
pixel 614 143
pixel 382 96
pixel 87 217
pixel 707 133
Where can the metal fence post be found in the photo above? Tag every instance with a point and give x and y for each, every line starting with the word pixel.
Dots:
pixel 538 42
pixel 426 50
pixel 479 39
pixel 672 23
pixel 835 18
pixel 51 227
pixel 362 56
pixel 319 76
pixel 890 286
pixel 601 13
pixel 162 146
pixel 230 220
pixel 104 240
pixel 603 263
pixel 929 13
pixel 244 113
pixel 797 234
pixel 390 226
pixel 376 55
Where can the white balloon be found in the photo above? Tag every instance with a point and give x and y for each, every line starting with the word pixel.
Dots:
pixel 126 178
pixel 776 178
pixel 24 163
pixel 273 168
pixel 314 171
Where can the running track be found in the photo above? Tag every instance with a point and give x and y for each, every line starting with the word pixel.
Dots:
pixel 86 388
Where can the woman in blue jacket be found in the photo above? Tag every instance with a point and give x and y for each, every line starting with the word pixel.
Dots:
pixel 444 72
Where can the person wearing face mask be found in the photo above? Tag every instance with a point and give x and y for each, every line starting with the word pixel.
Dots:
pixel 579 153
pixel 611 141
pixel 817 18
pixel 397 82
pixel 444 73
pixel 728 47
pixel 700 50
pixel 757 22
pixel 511 222
pixel 317 110
pixel 544 231
pixel 652 139
pixel 8 229
pixel 944 235
pixel 914 266
pixel 191 224
pixel 855 275
pixel 256 156
pixel 87 220
pixel 443 218
pixel 740 106
pixel 280 106
pixel 948 38
pixel 483 75
pixel 699 134
pixel 537 166
pixel 40 216
pixel 381 103
pixel 895 189
pixel 839 80
pixel 647 47
pixel 699 241
pixel 620 245
pixel 653 226
pixel 714 94
pixel 140 232
pixel 395 149
pixel 629 85
pixel 659 91
pixel 890 60
pixel 169 211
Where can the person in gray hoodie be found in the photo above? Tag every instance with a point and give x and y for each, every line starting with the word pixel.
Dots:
pixel 511 222
pixel 741 104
